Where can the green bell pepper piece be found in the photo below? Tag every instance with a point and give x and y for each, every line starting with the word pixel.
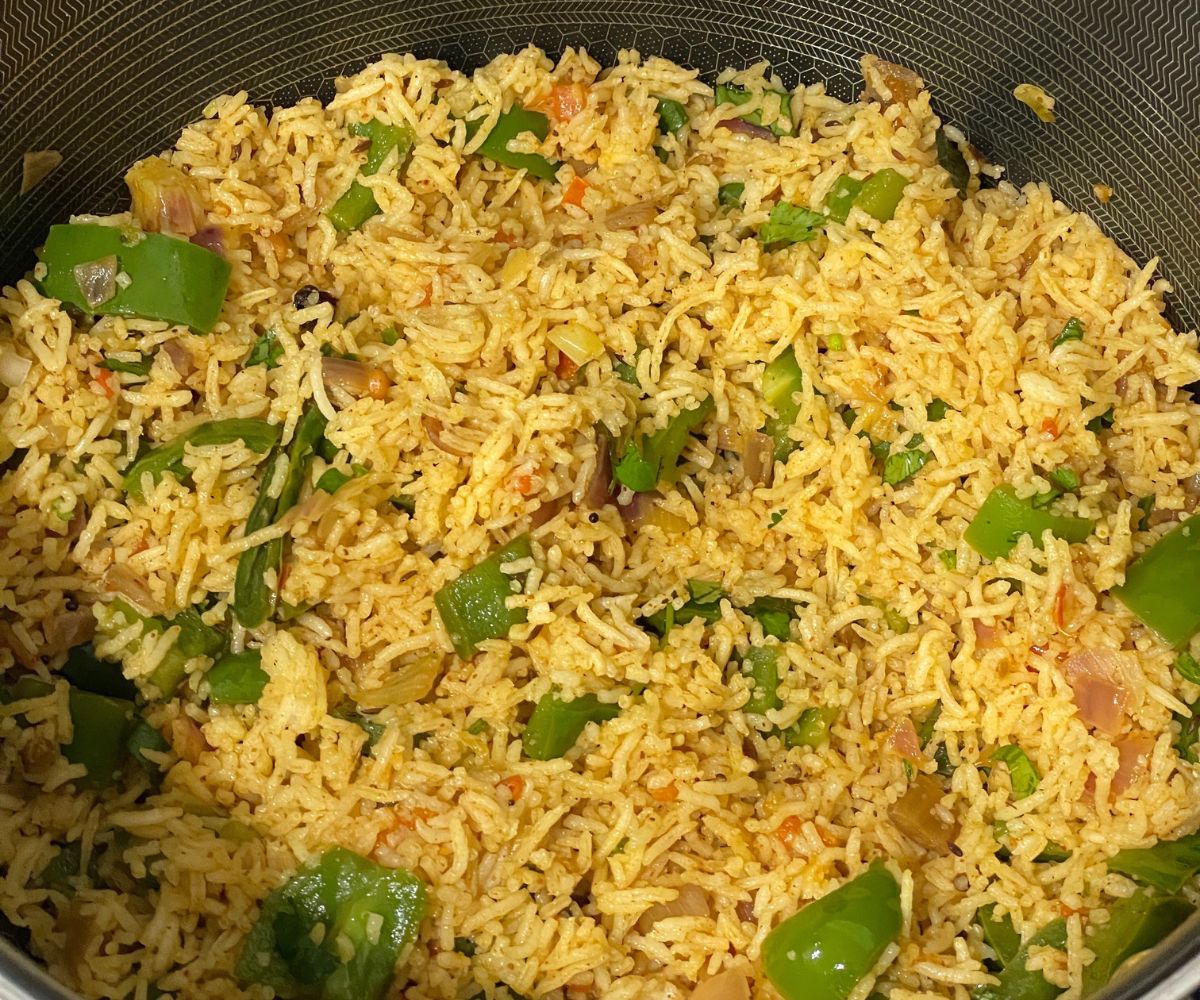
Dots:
pixel 824 951
pixel 1004 518
pixel 1017 980
pixel 556 724
pixel 653 457
pixel 358 204
pixel 363 914
pixel 782 380
pixel 257 435
pixel 237 679
pixel 811 729
pixel 881 193
pixel 1168 865
pixel 732 93
pixel 1134 924
pixel 508 126
pixel 1160 585
pixel 170 278
pixel 761 666
pixel 672 117
pixel 474 606
pixel 841 197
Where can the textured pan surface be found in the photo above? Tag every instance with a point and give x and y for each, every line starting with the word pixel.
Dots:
pixel 109 82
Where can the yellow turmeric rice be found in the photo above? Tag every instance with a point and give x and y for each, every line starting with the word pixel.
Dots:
pixel 725 377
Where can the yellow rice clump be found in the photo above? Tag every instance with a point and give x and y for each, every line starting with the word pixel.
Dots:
pixel 475 265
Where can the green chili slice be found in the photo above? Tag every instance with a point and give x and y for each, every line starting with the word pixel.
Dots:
pixel 824 951
pixel 841 197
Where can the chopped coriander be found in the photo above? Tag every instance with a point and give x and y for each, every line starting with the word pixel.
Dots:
pixel 1101 422
pixel 949 559
pixel 1187 667
pixel 266 351
pixel 776 517
pixel 730 195
pixel 790 224
pixel 899 467
pixel 1145 505
pixel 936 410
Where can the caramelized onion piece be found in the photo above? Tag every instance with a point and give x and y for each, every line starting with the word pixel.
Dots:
pixel 739 126
pixel 120 579
pixel 985 635
pixel 732 984
pixel 1097 676
pixel 36 166
pixel 97 279
pixel 180 357
pixel 691 902
pixel 164 198
pixel 919 815
pixel 631 216
pixel 1134 754
pixel 599 490
pixel 905 742
pixel 68 629
pixel 888 83
pixel 758 459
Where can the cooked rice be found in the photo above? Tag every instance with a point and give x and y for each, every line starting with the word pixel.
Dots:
pixel 473 264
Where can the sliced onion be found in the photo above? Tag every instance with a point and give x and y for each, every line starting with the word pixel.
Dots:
pixel 164 198
pixel 97 279
pixel 1098 679
pixel 640 213
pixel 187 739
pixel 577 342
pixel 985 635
pixel 181 357
pixel 411 683
pixel 1134 754
pixel 36 166
pixel 20 652
pixel 13 368
pixel 1036 99
pixel 758 459
pixel 211 238
pixel 355 378
pixel 732 984
pixel 642 511
pixel 739 126
pixel 68 629
pixel 918 815
pixel 599 490
pixel 904 741
pixel 120 579
pixel 547 511
pixel 435 430
pixel 691 902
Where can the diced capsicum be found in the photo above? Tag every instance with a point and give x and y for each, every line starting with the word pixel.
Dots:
pixel 335 930
pixel 556 724
pixel 881 193
pixel 358 204
pixel 824 951
pixel 1004 518
pixel 782 380
pixel 257 435
pixel 842 196
pixel 195 639
pixel 1160 585
pixel 672 117
pixel 509 125
pixel 237 679
pixel 474 606
pixel 761 666
pixel 169 278
pixel 653 457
